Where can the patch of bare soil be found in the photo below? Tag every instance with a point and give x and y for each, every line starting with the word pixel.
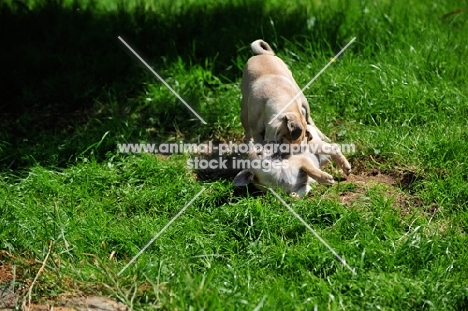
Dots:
pixel 10 301
pixel 392 181
pixel 12 296
pixel 93 303
pixel 11 288
pixel 8 295
pixel 6 272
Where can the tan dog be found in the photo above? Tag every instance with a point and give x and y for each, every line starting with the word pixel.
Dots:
pixel 293 172
pixel 267 88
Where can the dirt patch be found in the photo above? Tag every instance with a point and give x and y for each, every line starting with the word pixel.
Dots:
pixel 362 183
pixel 13 292
pixel 93 303
pixel 394 182
pixel 8 296
pixel 6 272
pixel 8 299
pixel 373 177
pixel 11 301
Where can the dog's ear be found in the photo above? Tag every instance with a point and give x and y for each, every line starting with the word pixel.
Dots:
pixel 244 178
pixel 294 126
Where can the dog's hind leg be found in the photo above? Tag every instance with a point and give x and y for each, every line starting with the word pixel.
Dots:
pixel 306 164
pixel 317 146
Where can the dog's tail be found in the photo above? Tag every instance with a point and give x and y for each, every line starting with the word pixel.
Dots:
pixel 260 47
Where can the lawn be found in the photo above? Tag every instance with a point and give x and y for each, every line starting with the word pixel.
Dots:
pixel 74 210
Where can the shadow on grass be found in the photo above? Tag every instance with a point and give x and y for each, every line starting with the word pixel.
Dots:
pixel 67 79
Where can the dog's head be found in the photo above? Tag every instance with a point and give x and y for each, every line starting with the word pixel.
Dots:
pixel 293 129
pixel 271 170
pixel 262 170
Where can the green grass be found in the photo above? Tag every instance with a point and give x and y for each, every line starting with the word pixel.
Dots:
pixel 72 93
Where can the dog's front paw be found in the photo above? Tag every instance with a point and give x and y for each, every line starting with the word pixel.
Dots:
pixel 343 164
pixel 325 179
pixel 346 167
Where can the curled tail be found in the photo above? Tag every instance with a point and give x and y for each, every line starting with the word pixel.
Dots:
pixel 260 47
